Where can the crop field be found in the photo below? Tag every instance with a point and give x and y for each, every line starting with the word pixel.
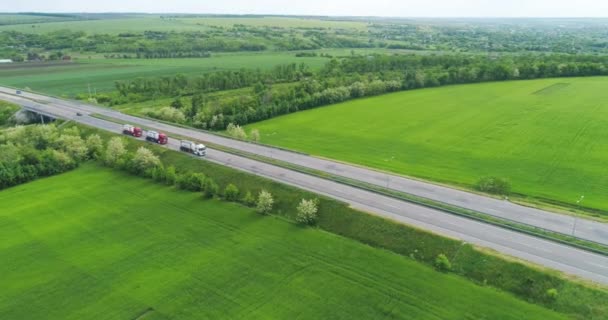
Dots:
pixel 143 23
pixel 548 137
pixel 161 253
pixel 71 79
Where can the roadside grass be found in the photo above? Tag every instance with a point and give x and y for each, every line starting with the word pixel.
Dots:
pixel 121 246
pixel 550 146
pixel 579 300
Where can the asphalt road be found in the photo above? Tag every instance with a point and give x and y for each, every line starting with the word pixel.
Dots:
pixel 566 224
pixel 570 260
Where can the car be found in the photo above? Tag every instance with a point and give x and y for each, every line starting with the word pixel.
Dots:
pixel 18 91
pixel 78 114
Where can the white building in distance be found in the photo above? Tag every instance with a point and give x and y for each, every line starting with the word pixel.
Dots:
pixel 6 61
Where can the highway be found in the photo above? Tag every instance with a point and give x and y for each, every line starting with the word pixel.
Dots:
pixel 567 259
pixel 565 224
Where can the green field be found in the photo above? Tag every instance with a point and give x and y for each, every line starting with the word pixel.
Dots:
pixel 102 73
pixel 548 137
pixel 94 243
pixel 143 23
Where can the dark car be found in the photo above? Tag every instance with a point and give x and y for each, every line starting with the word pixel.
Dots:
pixel 78 114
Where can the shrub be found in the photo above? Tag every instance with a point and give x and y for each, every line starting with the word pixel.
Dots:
pixel 170 175
pixel 236 131
pixel 144 160
pixel 191 181
pixel 307 212
pixel 74 146
pixel 210 188
pixel 552 294
pixel 231 192
pixel 442 263
pixel 158 174
pixel 265 202
pixel 255 135
pixel 95 145
pixel 115 152
pixel 249 199
pixel 170 114
pixel 494 185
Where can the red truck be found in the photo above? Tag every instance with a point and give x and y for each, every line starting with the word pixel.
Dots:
pixel 131 130
pixel 157 137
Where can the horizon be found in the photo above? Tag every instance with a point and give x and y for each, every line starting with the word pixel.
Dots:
pixel 338 8
pixel 297 15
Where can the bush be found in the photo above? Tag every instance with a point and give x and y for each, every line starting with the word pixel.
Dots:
pixel 95 145
pixel 210 188
pixel 236 131
pixel 249 199
pixel 115 152
pixel 170 114
pixel 442 263
pixel 494 185
pixel 265 202
pixel 144 160
pixel 255 135
pixel 191 181
pixel 552 294
pixel 231 193
pixel 170 175
pixel 158 174
pixel 307 212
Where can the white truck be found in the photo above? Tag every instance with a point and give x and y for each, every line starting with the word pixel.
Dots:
pixel 194 148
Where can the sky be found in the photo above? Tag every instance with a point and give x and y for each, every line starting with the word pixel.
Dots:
pixel 385 8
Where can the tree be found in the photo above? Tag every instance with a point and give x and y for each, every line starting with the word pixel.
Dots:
pixel 115 152
pixel 210 188
pixel 236 131
pixel 255 135
pixel 144 160
pixel 442 263
pixel 231 192
pixel 95 145
pixel 74 146
pixel 265 202
pixel 307 212
pixel 195 106
pixel 249 199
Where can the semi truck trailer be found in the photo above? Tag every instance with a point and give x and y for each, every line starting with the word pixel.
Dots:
pixel 157 137
pixel 194 148
pixel 131 130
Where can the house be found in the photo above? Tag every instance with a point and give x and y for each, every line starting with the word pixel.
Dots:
pixel 6 61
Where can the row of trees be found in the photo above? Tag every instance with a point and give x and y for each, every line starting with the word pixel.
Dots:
pixel 31 152
pixel 145 163
pixel 337 81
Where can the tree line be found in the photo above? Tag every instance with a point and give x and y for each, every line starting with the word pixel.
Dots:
pixel 290 88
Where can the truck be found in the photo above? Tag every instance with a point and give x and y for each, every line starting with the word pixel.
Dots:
pixel 157 137
pixel 194 148
pixel 131 130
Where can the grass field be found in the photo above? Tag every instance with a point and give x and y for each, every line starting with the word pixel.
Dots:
pixel 102 73
pixel 104 245
pixel 548 137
